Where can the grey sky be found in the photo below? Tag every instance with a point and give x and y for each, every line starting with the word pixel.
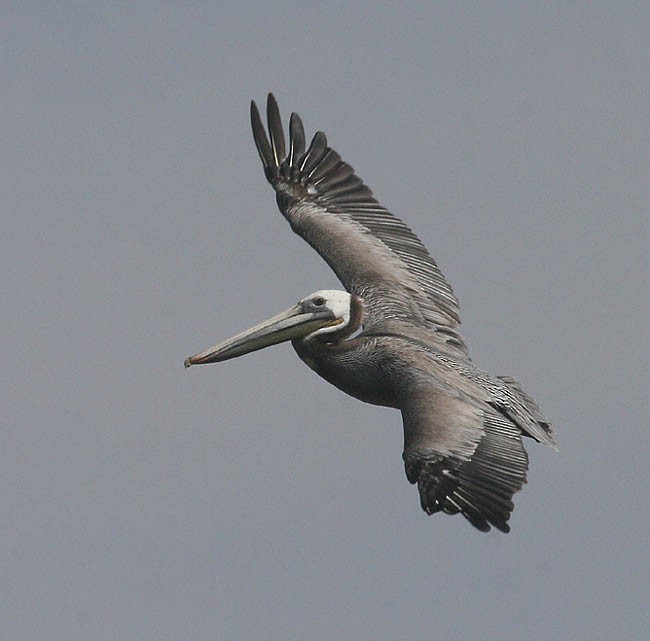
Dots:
pixel 251 500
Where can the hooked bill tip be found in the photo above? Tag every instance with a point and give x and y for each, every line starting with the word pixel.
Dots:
pixel 188 362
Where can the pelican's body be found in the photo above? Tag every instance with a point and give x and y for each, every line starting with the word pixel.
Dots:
pixel 392 338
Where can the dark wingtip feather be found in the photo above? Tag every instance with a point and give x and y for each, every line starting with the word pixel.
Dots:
pixel 316 151
pixel 262 143
pixel 296 139
pixel 275 129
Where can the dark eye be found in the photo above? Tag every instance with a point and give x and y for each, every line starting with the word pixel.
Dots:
pixel 319 301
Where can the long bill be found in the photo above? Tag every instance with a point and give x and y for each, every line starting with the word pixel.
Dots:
pixel 288 325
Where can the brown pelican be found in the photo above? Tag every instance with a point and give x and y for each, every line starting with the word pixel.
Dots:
pixel 391 339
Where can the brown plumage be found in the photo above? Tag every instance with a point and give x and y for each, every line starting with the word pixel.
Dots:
pixel 392 339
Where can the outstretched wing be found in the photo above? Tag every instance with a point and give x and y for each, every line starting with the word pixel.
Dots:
pixel 374 254
pixel 462 433
pixel 464 458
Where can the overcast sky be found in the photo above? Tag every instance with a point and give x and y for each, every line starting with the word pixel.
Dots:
pixel 251 500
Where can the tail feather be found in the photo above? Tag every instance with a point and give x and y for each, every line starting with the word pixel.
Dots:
pixel 544 430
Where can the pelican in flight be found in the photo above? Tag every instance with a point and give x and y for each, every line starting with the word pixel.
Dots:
pixel 392 338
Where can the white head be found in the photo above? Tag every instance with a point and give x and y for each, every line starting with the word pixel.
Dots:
pixel 335 301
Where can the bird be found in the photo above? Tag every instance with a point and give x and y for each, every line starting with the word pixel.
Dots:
pixel 391 338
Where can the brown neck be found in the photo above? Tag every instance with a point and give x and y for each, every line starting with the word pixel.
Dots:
pixel 355 322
